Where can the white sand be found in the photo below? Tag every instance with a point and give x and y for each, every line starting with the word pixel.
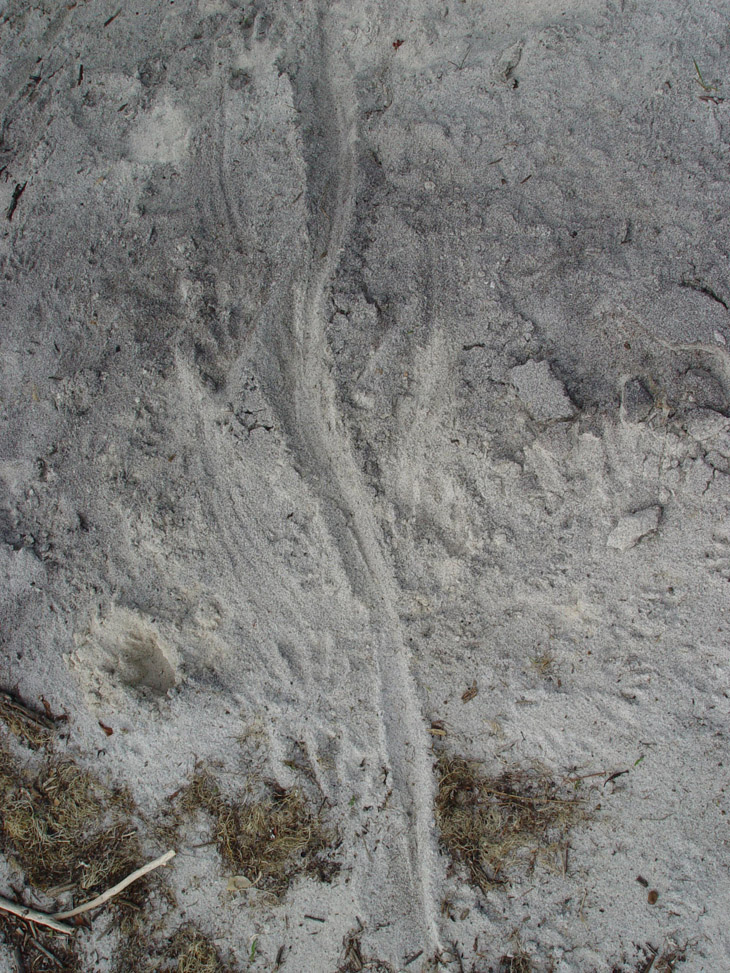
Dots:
pixel 339 373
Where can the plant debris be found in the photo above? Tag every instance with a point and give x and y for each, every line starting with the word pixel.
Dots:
pixel 518 962
pixel 27 724
pixel 268 838
pixel 65 828
pixel 491 823
pixel 195 953
pixel 661 961
pixel 66 831
pixel 40 951
pixel 354 961
pixel 188 950
pixel 470 693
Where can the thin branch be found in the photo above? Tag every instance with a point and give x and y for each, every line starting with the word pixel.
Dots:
pixel 40 918
pixel 110 893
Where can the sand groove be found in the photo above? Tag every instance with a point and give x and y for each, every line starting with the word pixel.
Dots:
pixel 319 439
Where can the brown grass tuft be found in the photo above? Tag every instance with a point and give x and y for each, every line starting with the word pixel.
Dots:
pixel 65 828
pixel 187 951
pixel 518 962
pixel 67 832
pixel 492 823
pixel 28 725
pixel 269 838
pixel 194 953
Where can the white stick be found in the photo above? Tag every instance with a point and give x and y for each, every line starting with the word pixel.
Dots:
pixel 110 893
pixel 41 918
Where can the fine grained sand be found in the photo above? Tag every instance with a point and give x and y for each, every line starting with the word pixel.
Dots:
pixel 353 353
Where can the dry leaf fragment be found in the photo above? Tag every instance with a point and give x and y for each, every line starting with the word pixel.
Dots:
pixel 470 692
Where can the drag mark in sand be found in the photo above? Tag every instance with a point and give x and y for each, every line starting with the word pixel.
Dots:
pixel 319 441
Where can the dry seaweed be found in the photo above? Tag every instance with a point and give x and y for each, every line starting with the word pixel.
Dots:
pixel 64 828
pixel 39 950
pixel 67 832
pixel 491 823
pixel 268 838
pixel 187 951
pixel 192 952
pixel 27 724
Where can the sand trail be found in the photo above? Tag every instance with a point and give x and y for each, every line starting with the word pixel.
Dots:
pixel 324 454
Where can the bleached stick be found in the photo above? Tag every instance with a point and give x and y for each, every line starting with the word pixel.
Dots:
pixel 40 918
pixel 110 893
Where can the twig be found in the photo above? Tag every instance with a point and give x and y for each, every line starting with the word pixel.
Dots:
pixel 413 957
pixel 575 780
pixel 110 893
pixel 8 701
pixel 457 954
pixel 46 952
pixel 41 918
pixel 17 193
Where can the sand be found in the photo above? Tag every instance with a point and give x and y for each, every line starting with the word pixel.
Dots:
pixel 353 354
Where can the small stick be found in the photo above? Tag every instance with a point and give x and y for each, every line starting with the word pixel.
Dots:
pixel 456 952
pixel 41 918
pixel 7 701
pixel 17 193
pixel 110 893
pixel 46 952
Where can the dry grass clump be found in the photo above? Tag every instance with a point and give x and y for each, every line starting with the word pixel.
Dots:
pixel 192 952
pixel 28 725
pixel 518 962
pixel 187 951
pixel 37 949
pixel 66 832
pixel 491 823
pixel 269 838
pixel 65 829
